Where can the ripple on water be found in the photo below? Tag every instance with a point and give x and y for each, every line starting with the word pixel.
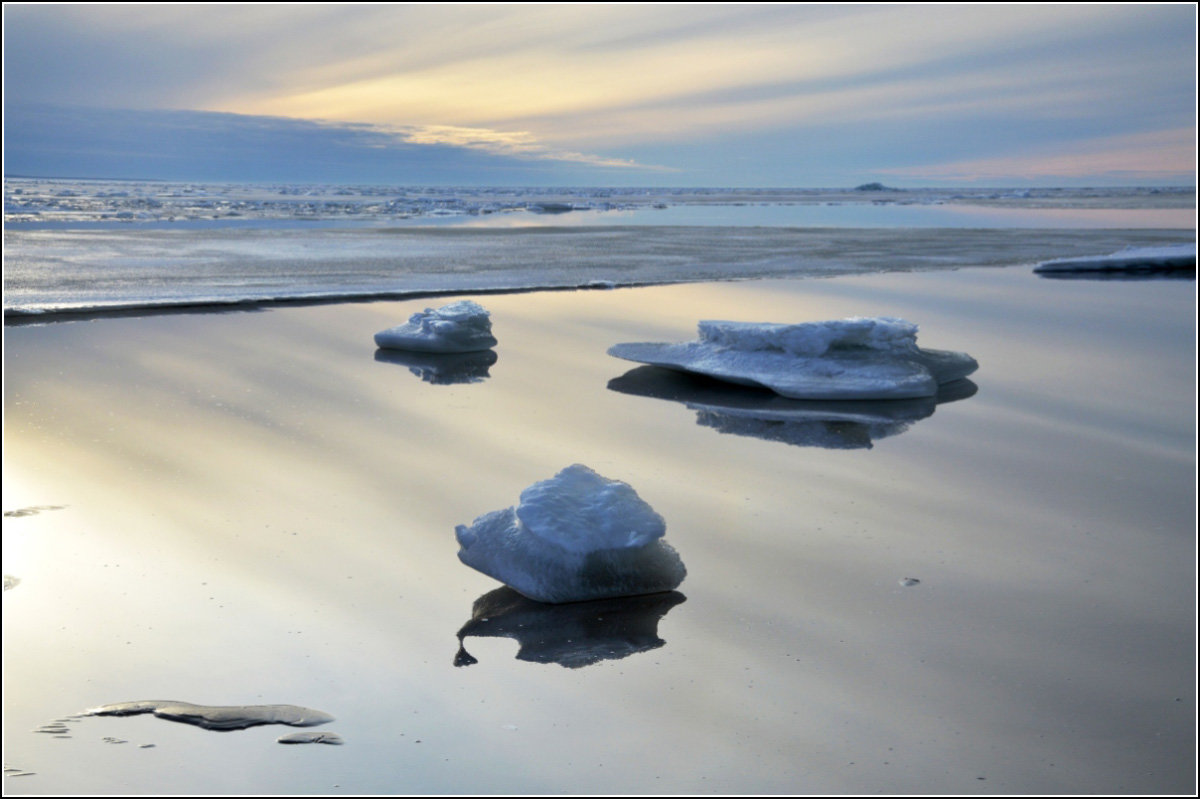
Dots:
pixel 33 510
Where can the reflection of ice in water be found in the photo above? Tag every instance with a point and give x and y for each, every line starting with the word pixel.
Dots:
pixel 572 635
pixel 442 369
pixel 214 717
pixel 758 413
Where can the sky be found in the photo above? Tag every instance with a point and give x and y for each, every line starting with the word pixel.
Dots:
pixel 776 95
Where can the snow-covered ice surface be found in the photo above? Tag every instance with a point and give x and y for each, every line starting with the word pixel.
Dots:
pixel 462 326
pixel 1133 259
pixel 845 359
pixel 51 201
pixel 574 537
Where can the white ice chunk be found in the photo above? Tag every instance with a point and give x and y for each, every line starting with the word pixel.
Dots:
pixel 574 537
pixel 845 359
pixel 885 334
pixel 1168 256
pixel 462 326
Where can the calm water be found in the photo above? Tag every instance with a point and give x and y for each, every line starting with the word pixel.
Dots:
pixel 252 508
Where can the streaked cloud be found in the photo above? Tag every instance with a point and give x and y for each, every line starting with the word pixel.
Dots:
pixel 1158 154
pixel 519 144
pixel 626 87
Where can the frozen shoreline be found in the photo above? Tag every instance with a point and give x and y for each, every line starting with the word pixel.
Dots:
pixel 58 274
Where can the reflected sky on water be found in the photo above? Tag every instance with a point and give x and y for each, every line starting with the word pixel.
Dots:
pixel 250 509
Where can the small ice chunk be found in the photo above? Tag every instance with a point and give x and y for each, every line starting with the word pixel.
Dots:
pixel 845 359
pixel 575 537
pixel 311 738
pixel 1169 256
pixel 462 326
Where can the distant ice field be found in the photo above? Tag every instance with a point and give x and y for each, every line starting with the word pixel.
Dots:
pixel 105 246
pixel 57 204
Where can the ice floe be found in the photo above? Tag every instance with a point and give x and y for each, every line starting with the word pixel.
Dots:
pixel 216 717
pixel 759 413
pixel 572 635
pixel 577 536
pixel 462 326
pixel 847 359
pixel 1135 259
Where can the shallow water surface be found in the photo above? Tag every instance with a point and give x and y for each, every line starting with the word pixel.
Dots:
pixel 253 509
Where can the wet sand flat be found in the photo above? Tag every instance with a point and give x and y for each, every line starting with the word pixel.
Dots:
pixel 252 508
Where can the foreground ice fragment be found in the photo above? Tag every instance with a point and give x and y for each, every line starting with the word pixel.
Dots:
pixel 1133 259
pixel 331 738
pixel 462 326
pixel 575 537
pixel 845 359
pixel 217 717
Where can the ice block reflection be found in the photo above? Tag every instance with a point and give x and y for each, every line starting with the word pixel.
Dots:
pixel 763 414
pixel 442 369
pixel 573 635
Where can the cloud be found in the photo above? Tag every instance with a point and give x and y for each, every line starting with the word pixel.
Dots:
pixel 518 144
pixel 1158 155
pixel 78 141
pixel 635 89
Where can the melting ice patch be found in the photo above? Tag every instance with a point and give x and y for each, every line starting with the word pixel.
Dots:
pixel 574 537
pixel 462 326
pixel 1136 259
pixel 311 738
pixel 846 359
pixel 215 717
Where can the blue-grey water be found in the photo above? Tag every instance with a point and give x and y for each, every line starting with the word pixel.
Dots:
pixel 251 508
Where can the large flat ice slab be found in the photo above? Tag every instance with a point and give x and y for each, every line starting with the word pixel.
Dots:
pixel 574 537
pixel 1170 256
pixel 462 326
pixel 847 359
